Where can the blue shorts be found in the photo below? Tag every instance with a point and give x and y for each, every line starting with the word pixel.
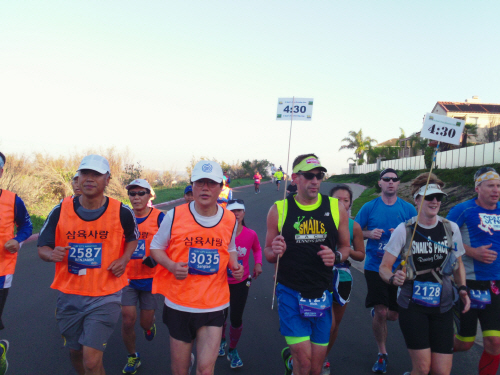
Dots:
pixel 292 324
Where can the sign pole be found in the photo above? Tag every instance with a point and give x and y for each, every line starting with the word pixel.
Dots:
pixel 284 197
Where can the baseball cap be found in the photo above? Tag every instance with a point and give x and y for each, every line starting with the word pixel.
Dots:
pixel 96 163
pixel 431 189
pixel 388 170
pixel 207 169
pixel 308 164
pixel 188 189
pixel 236 204
pixel 76 175
pixel 140 183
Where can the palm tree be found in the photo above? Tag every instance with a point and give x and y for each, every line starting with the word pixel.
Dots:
pixel 359 144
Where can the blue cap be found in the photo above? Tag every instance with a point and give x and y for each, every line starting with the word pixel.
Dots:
pixel 188 189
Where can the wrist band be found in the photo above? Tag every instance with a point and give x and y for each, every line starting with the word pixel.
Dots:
pixel 463 287
pixel 338 256
pixel 391 280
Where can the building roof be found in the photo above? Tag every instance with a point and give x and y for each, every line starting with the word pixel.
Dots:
pixel 470 107
pixel 390 142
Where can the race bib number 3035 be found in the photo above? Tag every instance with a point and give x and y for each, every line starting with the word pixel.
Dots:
pixel 203 261
pixel 83 256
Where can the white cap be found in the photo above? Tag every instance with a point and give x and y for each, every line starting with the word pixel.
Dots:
pixel 96 163
pixel 76 175
pixel 431 189
pixel 207 169
pixel 139 182
pixel 235 206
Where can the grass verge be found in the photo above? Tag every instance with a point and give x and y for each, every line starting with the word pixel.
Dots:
pixel 366 196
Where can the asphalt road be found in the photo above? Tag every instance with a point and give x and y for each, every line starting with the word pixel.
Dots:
pixel 36 346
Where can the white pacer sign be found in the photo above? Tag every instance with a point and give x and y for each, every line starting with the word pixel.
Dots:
pixel 300 108
pixel 442 128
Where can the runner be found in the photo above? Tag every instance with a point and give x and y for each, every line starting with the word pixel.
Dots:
pixel 342 278
pixel 188 194
pixel 291 190
pixel 226 194
pixel 257 177
pixel 305 268
pixel 13 215
pixel 227 178
pixel 194 246
pixel 273 171
pixel 378 218
pixel 140 272
pixel 246 239
pixel 279 176
pixel 478 222
pixel 91 239
pixel 74 185
pixel 426 295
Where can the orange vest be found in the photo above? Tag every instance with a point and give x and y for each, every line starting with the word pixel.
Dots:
pixel 147 229
pixel 225 195
pixel 106 232
pixel 188 239
pixel 7 213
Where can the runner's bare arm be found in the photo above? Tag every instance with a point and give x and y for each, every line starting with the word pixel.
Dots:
pixel 374 234
pixel 358 250
pixel 119 265
pixel 385 270
pixel 275 244
pixel 56 254
pixel 344 245
pixel 234 266
pixel 180 269
pixel 459 276
pixel 481 253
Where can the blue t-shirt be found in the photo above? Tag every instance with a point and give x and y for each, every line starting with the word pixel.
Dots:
pixel 478 227
pixel 378 215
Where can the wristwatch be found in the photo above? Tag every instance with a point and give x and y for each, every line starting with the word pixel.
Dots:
pixel 391 280
pixel 463 287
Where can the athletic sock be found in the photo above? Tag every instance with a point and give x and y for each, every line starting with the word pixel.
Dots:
pixel 234 335
pixel 488 364
pixel 224 331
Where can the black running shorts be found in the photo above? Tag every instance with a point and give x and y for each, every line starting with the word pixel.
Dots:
pixel 379 292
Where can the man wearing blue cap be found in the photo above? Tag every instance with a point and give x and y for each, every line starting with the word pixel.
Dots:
pixel 188 194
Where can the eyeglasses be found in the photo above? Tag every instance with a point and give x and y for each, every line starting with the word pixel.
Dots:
pixel 231 201
pixel 139 193
pixel 387 179
pixel 203 181
pixel 309 175
pixel 430 198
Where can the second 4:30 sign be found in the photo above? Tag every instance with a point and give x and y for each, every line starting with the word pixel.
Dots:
pixel 442 128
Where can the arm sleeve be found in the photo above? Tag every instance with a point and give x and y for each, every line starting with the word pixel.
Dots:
pixel 162 237
pixel 397 240
pixel 160 218
pixel 257 250
pixel 457 239
pixel 47 235
pixel 129 225
pixel 23 221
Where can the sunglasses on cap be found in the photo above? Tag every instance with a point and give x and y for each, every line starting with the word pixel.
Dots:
pixel 309 175
pixel 231 201
pixel 430 198
pixel 139 193
pixel 387 179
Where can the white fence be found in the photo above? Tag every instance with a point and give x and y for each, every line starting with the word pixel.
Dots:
pixel 473 156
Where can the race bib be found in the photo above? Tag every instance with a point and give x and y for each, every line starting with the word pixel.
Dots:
pixel 203 261
pixel 380 250
pixel 479 298
pixel 257 181
pixel 229 272
pixel 314 308
pixel 427 293
pixel 140 250
pixel 82 256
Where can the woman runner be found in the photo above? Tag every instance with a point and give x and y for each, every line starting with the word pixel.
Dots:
pixel 246 239
pixel 426 294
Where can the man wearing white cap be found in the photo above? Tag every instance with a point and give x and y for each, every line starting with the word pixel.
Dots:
pixel 479 223
pixel 140 272
pixel 91 239
pixel 194 246
pixel 315 236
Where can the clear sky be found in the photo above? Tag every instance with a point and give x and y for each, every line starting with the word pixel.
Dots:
pixel 173 79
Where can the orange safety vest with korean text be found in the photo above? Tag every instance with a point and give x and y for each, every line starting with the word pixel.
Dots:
pixel 7 216
pixel 94 246
pixel 205 251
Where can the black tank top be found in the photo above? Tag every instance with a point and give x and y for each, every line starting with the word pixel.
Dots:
pixel 301 268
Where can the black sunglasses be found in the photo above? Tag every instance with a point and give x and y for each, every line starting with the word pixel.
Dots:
pixel 231 201
pixel 139 193
pixel 309 175
pixel 430 198
pixel 387 179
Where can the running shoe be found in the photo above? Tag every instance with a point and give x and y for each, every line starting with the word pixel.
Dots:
pixel 234 358
pixel 192 363
pixel 380 367
pixel 4 365
pixel 133 363
pixel 326 368
pixel 222 348
pixel 286 354
pixel 151 333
